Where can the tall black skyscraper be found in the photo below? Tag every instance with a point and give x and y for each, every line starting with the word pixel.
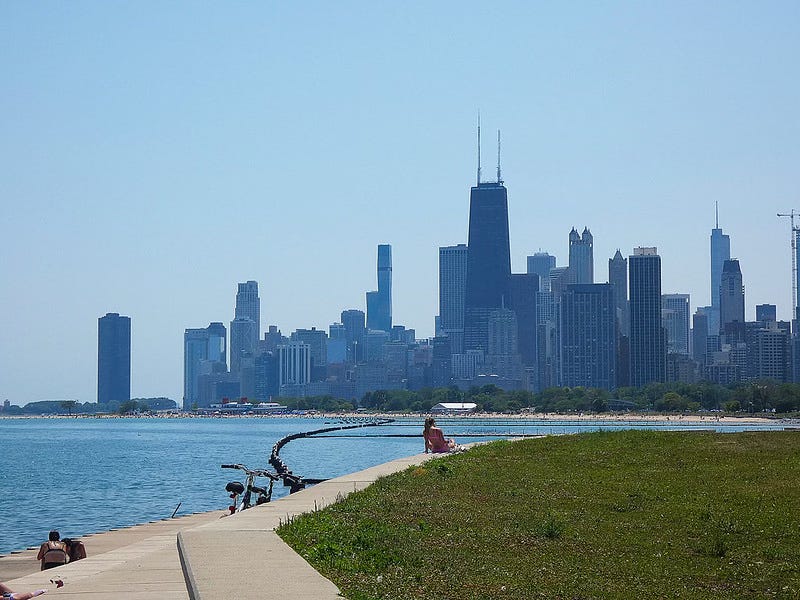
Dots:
pixel 113 358
pixel 379 304
pixel 488 259
pixel 647 342
pixel 588 336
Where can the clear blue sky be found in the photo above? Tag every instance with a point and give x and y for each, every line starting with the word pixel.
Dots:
pixel 155 154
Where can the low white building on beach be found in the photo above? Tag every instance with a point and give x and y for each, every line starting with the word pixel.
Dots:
pixel 454 408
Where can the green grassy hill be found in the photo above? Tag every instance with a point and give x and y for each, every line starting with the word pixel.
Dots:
pixel 633 514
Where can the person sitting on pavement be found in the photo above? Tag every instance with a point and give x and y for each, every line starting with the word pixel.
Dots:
pixel 434 438
pixel 9 595
pixel 75 549
pixel 53 553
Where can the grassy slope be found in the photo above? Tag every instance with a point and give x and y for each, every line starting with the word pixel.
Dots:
pixel 601 515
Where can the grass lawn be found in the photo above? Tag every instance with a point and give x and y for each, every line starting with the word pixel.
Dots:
pixel 631 514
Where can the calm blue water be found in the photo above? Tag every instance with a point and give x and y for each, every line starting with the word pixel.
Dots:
pixel 87 475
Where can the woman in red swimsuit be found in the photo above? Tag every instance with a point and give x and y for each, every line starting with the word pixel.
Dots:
pixel 434 438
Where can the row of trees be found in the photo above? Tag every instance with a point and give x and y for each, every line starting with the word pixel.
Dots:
pixel 73 407
pixel 752 397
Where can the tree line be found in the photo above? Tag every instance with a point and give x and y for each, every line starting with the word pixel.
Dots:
pixel 750 397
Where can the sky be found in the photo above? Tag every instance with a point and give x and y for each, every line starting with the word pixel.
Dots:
pixel 153 155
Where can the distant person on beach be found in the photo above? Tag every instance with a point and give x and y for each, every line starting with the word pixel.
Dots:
pixel 75 549
pixel 8 594
pixel 434 438
pixel 53 553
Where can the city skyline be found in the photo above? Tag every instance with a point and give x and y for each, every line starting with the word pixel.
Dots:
pixel 212 159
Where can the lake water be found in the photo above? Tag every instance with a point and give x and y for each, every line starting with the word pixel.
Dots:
pixel 85 475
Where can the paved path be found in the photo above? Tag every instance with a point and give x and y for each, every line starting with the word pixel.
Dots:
pixel 199 557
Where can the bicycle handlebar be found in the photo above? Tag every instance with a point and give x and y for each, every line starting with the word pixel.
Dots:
pixel 254 472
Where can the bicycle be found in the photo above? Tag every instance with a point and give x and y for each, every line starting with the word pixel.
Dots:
pixel 248 489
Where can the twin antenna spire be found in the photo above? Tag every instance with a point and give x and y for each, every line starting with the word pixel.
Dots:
pixel 499 178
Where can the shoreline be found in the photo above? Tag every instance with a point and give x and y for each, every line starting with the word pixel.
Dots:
pixel 580 417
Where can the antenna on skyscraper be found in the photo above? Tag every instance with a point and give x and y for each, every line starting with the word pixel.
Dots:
pixel 716 213
pixel 479 147
pixel 499 179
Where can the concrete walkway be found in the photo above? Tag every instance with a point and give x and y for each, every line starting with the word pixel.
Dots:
pixel 200 557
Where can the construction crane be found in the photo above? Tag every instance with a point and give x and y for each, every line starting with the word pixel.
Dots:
pixel 792 214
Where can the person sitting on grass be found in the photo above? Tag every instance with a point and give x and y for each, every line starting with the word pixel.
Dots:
pixel 434 438
pixel 9 595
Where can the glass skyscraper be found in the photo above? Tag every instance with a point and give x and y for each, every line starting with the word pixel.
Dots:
pixel 113 358
pixel 452 287
pixel 488 261
pixel 379 303
pixel 720 252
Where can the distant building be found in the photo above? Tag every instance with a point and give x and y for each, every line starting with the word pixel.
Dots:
pixel 317 341
pixel 355 328
pixel 618 278
pixel 294 364
pixel 379 303
pixel 720 252
pixel 581 256
pixel 700 333
pixel 488 261
pixel 245 329
pixel 204 352
pixel 452 288
pixel 453 408
pixel 441 362
pixel 675 320
pixel 113 358
pixel 647 343
pixel 540 264
pixel 731 295
pixel 373 345
pixel 588 336
pixel 503 358
pixel 766 313
pixel 524 289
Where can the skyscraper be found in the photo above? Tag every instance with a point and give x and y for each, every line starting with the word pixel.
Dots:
pixel 379 303
pixel 581 256
pixel 675 320
pixel 720 252
pixel 700 334
pixel 524 289
pixel 113 358
pixel 452 287
pixel 731 294
pixel 355 329
pixel 541 263
pixel 248 304
pixel 204 352
pixel 588 336
pixel 618 278
pixel 488 261
pixel 647 344
pixel 245 327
